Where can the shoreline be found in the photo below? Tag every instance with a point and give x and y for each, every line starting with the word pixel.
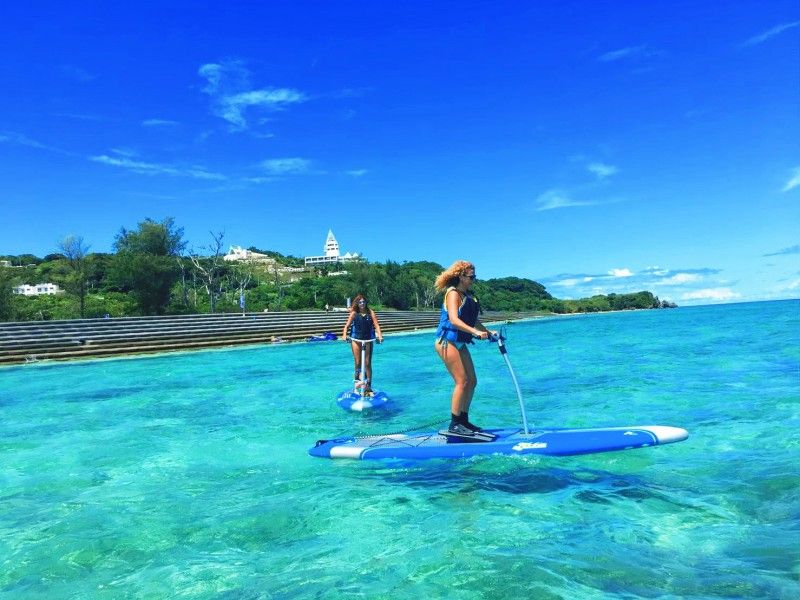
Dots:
pixel 38 342
pixel 94 339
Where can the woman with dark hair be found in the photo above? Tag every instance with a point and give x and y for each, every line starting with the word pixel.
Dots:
pixel 458 324
pixel 360 329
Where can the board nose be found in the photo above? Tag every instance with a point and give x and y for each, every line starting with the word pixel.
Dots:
pixel 667 434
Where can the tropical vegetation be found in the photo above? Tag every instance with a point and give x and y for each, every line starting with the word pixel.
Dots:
pixel 151 273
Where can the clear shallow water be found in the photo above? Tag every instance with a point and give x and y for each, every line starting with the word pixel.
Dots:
pixel 186 475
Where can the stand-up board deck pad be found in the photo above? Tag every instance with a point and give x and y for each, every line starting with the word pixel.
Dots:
pixel 551 442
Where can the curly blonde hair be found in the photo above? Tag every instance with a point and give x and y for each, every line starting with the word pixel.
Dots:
pixel 449 277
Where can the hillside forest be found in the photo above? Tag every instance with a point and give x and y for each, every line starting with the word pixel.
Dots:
pixel 151 272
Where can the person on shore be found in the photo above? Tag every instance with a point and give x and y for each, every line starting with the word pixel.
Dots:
pixel 362 324
pixel 458 324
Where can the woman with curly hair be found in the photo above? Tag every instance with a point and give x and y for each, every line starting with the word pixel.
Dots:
pixel 362 324
pixel 458 324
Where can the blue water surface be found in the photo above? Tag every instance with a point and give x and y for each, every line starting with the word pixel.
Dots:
pixel 187 475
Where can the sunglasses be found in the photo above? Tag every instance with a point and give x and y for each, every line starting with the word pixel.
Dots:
pixel 472 277
pixel 362 301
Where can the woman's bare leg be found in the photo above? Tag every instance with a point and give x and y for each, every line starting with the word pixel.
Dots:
pixel 459 365
pixel 356 348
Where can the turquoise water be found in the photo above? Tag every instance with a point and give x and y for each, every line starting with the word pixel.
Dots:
pixel 186 475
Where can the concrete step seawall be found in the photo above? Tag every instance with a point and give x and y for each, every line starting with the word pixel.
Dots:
pixel 88 338
pixel 91 338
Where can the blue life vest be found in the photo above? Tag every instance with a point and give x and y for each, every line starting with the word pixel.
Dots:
pixel 467 312
pixel 362 327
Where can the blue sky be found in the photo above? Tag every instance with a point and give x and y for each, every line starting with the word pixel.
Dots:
pixel 595 147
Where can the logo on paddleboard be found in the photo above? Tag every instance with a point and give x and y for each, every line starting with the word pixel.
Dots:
pixel 529 446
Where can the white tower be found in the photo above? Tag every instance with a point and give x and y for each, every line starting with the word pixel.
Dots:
pixel 331 245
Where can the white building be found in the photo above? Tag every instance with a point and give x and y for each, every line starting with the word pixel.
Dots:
pixel 40 289
pixel 237 253
pixel 332 254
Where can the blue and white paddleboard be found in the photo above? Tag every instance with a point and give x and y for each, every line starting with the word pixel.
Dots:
pixel 352 400
pixel 552 442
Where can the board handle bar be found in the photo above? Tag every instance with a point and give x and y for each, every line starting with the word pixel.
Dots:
pixel 500 339
pixel 362 342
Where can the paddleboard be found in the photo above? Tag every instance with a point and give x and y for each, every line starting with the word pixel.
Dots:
pixel 550 442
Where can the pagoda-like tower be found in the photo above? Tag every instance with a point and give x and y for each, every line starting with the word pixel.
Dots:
pixel 331 245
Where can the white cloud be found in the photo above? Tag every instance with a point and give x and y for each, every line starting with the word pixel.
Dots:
pixel 567 282
pixel 232 108
pixel 622 53
pixel 228 85
pixel 19 139
pixel 691 286
pixel 81 117
pixel 76 73
pixel 126 152
pixel 679 279
pixel 763 37
pixel 286 166
pixel 602 170
pixel 225 78
pixel 357 172
pixel 201 173
pixel 790 250
pixel 146 168
pixel 785 289
pixel 656 270
pixel 721 294
pixel 553 199
pixel 620 273
pixel 158 122
pixel 792 285
pixel 793 182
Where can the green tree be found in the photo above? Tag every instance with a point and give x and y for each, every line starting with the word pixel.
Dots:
pixel 145 264
pixel 6 295
pixel 26 259
pixel 98 265
pixel 332 291
pixel 45 307
pixel 301 295
pixel 421 276
pixel 261 297
pixel 284 260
